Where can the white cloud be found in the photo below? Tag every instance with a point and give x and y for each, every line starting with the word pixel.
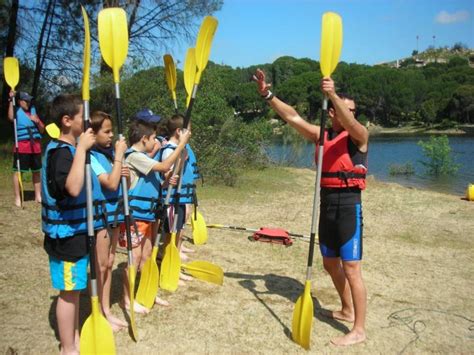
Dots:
pixel 445 18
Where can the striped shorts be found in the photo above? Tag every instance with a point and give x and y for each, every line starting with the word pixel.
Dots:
pixel 67 275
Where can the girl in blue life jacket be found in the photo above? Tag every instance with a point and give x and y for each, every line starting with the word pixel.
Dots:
pixel 107 165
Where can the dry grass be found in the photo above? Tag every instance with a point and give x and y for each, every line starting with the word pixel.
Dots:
pixel 418 267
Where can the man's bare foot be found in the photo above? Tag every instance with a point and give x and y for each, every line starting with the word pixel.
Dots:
pixel 116 321
pixel 351 338
pixel 161 302
pixel 340 315
pixel 184 249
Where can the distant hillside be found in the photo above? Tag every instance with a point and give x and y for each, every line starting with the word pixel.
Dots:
pixel 435 55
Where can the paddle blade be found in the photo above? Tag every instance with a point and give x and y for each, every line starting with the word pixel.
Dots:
pixel 303 318
pixel 86 57
pixel 189 70
pixel 170 266
pixel 53 130
pixel 113 38
pixel 148 287
pixel 11 71
pixel 97 336
pixel 131 288
pixel 203 45
pixel 331 42
pixel 206 271
pixel 199 229
pixel 170 74
pixel 22 190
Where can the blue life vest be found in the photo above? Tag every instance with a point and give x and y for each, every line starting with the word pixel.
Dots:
pixel 67 217
pixel 26 128
pixel 193 163
pixel 187 184
pixel 145 197
pixel 113 209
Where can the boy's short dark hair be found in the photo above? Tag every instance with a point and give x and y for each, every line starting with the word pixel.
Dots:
pixel 138 129
pixel 64 105
pixel 174 123
pixel 97 119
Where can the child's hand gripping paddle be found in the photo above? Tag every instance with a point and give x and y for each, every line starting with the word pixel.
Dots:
pixel 331 44
pixel 11 71
pixel 113 41
pixel 96 335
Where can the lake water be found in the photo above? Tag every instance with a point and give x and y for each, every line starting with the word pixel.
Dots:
pixel 385 151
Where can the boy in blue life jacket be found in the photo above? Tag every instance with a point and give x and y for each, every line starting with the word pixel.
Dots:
pixel 106 163
pixel 144 192
pixel 64 217
pixel 175 128
pixel 29 129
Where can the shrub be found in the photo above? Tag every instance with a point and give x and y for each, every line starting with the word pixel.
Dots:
pixel 438 153
pixel 401 169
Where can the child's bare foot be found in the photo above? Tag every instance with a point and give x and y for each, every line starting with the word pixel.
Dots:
pixel 38 200
pixel 183 256
pixel 137 308
pixel 184 277
pixel 116 322
pixel 161 302
pixel 344 316
pixel 184 249
pixel 18 204
pixel 351 338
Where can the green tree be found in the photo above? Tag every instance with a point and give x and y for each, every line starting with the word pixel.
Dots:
pixel 438 156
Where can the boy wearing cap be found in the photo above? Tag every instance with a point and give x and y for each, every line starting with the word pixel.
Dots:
pixel 29 130
pixel 144 191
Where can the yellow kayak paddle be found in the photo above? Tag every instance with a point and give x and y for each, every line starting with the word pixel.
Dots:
pixel 97 336
pixel 11 72
pixel 113 42
pixel 331 44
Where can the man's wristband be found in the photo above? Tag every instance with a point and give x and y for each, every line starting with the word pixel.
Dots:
pixel 268 96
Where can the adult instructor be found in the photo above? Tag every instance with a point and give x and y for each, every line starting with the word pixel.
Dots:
pixel 343 178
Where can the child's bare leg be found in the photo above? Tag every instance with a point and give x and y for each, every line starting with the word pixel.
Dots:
pixel 102 247
pixel 37 185
pixel 136 253
pixel 16 189
pixel 179 243
pixel 67 315
pixel 115 322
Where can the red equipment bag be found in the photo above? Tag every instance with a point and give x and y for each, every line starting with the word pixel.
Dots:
pixel 273 235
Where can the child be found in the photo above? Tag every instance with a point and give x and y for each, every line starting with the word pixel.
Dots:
pixel 107 165
pixel 64 217
pixel 29 129
pixel 174 127
pixel 144 192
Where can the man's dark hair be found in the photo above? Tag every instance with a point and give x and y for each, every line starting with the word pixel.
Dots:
pixel 139 129
pixel 343 96
pixel 64 105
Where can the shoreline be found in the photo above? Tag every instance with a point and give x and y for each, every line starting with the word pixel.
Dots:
pixel 462 130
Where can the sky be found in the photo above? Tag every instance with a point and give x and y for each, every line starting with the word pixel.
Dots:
pixel 254 32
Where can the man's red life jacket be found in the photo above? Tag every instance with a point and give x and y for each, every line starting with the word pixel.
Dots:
pixel 338 168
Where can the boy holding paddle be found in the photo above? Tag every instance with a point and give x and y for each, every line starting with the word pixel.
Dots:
pixel 343 178
pixel 144 192
pixel 63 214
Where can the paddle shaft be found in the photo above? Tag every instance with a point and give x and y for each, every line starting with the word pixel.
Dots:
pixel 317 190
pixel 15 133
pixel 90 209
pixel 126 209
